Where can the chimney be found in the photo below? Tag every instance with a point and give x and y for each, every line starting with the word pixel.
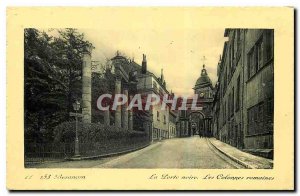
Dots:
pixel 144 65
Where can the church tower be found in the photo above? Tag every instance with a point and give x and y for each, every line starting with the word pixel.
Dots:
pixel 203 86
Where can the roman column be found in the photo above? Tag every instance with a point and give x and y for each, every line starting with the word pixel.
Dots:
pixel 118 117
pixel 125 112
pixel 106 118
pixel 86 87
pixel 130 117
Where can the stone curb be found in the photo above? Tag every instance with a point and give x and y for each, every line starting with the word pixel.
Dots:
pixel 38 162
pixel 91 157
pixel 126 157
pixel 106 155
pixel 232 157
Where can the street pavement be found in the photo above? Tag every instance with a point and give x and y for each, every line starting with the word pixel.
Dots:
pixel 190 152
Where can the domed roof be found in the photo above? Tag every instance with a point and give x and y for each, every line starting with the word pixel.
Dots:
pixel 203 79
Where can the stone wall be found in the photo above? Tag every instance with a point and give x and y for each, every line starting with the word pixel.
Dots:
pixel 233 125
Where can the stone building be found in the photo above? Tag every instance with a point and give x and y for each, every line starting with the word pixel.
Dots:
pixel 204 89
pixel 172 124
pixel 148 83
pixel 136 79
pixel 227 103
pixel 125 84
pixel 198 122
pixel 243 103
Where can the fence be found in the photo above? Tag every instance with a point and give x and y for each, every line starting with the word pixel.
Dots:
pixel 39 152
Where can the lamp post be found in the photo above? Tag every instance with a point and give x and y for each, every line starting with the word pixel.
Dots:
pixel 76 107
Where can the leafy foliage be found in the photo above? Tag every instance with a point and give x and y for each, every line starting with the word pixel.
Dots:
pixel 52 72
pixel 92 132
pixel 101 84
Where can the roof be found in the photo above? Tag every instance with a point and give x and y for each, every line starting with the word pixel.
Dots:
pixel 203 80
pixel 131 66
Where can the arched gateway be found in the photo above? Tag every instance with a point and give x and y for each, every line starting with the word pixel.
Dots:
pixel 198 122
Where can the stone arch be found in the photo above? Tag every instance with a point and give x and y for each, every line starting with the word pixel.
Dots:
pixel 196 119
pixel 195 112
pixel 199 126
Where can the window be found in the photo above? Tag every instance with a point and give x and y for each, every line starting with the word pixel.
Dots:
pixel 269 44
pixel 225 82
pixel 225 79
pixel 183 113
pixel 238 40
pixel 155 86
pixel 157 115
pixel 224 112
pixel 232 102
pixel 259 54
pixel 252 121
pixel 229 61
pixel 228 107
pixel 238 46
pixel 252 64
pixel 260 118
pixel 161 92
pixel 269 115
pixel 165 119
pixel 232 54
pixel 237 97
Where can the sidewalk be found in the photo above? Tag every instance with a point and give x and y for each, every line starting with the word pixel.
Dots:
pixel 126 157
pixel 94 162
pixel 248 160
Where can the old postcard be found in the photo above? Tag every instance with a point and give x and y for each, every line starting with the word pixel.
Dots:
pixel 150 98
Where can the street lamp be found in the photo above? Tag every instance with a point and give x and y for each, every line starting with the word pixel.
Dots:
pixel 76 107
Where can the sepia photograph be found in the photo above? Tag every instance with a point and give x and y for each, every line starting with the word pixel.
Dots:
pixel 204 100
pixel 150 98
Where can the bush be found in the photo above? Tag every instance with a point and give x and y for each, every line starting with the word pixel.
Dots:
pixel 91 132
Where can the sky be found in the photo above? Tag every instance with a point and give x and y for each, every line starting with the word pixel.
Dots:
pixel 178 51
pixel 173 39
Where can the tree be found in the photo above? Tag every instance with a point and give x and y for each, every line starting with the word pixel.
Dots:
pixel 102 83
pixel 71 45
pixel 52 73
